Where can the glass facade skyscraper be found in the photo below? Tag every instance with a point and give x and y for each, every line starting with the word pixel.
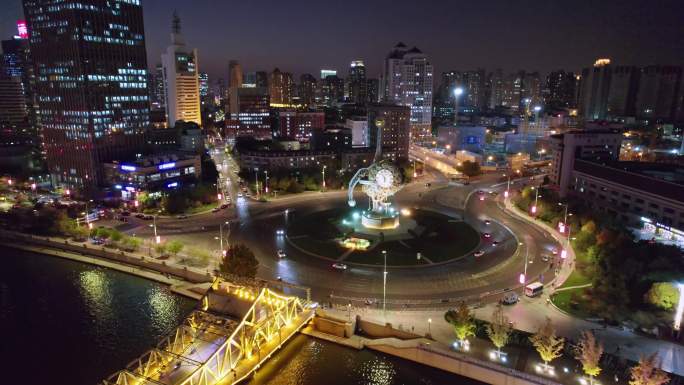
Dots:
pixel 91 84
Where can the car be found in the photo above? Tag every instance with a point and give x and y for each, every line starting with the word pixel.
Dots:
pixel 148 217
pixel 224 206
pixel 428 184
pixel 125 213
pixel 479 253
pixel 482 197
pixel 281 254
pixel 487 222
pixel 280 232
pixel 510 298
pixel 487 235
pixel 182 217
pixel 140 216
pixel 480 192
pixel 339 266
pixel 495 243
pixel 239 195
pixel 215 210
pixel 545 258
pixel 554 251
pixel 97 241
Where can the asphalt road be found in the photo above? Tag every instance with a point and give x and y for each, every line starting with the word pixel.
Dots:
pixel 255 224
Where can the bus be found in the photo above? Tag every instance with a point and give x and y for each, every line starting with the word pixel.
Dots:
pixel 534 289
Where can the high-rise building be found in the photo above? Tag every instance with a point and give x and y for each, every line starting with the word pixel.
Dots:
pixel 235 74
pixel 358 92
pixel 181 78
pixel 307 90
pixel 280 88
pixel 657 95
pixel 330 90
pixel 325 73
pixel 622 91
pixel 250 113
pixel 407 81
pixel 17 63
pixel 157 93
pixel 203 85
pixel 497 87
pixel 512 92
pixel 91 84
pixel 373 90
pixel 396 130
pixel 561 89
pixel 593 101
pixel 13 111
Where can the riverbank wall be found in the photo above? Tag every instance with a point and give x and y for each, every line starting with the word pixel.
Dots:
pixel 182 281
pixel 385 339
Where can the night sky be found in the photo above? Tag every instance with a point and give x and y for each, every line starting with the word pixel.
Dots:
pixel 305 35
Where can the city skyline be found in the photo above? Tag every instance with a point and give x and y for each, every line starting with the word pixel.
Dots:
pixel 634 34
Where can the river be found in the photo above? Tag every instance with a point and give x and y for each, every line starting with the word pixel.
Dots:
pixel 68 323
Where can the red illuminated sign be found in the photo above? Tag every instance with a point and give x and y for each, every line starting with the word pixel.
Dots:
pixel 22 29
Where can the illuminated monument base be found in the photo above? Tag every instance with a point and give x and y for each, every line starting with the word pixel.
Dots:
pixel 376 221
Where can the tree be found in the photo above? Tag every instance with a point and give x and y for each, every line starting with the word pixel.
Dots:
pixel 462 321
pixel 160 248
pixel 548 345
pixel 663 295
pixel 115 235
pixel 240 261
pixel 174 247
pixel 647 372
pixel 499 330
pixel 470 168
pixel 131 243
pixel 588 351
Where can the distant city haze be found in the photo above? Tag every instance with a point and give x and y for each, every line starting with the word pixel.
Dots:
pixel 305 36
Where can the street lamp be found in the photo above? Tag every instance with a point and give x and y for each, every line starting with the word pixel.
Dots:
pixel 323 172
pixel 384 282
pixel 266 182
pixel 508 186
pixel 429 326
pixel 221 233
pixel 458 91
pixel 523 277
pixel 680 308
pixel 157 238
pixel 256 183
pixel 536 198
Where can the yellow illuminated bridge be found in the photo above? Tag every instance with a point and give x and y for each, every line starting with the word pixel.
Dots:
pixel 235 330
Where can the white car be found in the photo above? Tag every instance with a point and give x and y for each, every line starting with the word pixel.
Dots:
pixel 281 254
pixel 479 253
pixel 280 232
pixel 487 235
pixel 510 298
pixel 339 266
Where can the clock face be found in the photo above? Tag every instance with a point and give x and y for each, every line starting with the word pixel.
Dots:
pixel 384 178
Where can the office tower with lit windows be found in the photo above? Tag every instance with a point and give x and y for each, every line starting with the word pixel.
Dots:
pixel 249 111
pixel 330 90
pixel 325 73
pixel 307 90
pixel 407 81
pixel 497 83
pixel 395 131
pixel 18 86
pixel 561 89
pixel 358 92
pixel 91 85
pixel 203 85
pixel 280 88
pixel 157 88
pixel 181 78
pixel 373 90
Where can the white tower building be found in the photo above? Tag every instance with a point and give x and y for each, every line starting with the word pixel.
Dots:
pixel 181 80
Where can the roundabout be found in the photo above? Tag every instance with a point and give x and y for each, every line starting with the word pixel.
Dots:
pixel 423 238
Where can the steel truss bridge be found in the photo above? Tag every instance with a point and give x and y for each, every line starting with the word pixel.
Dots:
pixel 232 333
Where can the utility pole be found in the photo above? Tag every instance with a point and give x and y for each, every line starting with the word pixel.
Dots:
pixel 384 283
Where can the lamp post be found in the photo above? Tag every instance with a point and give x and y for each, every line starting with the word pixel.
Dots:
pixel 536 119
pixel 508 186
pixel 429 327
pixel 415 173
pixel 384 282
pixel 266 182
pixel 157 238
pixel 458 91
pixel 256 179
pixel 680 309
pixel 523 276
pixel 536 198
pixel 221 234
pixel 323 172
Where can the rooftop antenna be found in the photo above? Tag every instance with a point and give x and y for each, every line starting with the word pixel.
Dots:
pixel 176 24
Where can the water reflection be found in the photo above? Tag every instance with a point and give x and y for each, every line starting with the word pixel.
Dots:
pixel 165 308
pixel 95 291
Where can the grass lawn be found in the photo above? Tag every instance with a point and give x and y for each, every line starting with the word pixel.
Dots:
pixel 562 301
pixel 201 208
pixel 576 278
